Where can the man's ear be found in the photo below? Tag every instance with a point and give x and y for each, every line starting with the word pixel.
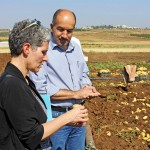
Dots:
pixel 26 48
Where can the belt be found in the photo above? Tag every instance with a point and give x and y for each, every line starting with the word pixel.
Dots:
pixel 61 109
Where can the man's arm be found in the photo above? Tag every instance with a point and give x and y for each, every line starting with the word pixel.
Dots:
pixel 86 92
pixel 85 78
pixel 85 81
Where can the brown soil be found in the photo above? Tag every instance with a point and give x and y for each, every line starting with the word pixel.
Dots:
pixel 121 119
pixel 4 58
pixel 118 57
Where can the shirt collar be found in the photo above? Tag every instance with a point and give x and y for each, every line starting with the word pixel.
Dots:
pixel 54 45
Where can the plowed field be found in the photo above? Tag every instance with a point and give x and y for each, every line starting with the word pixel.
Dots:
pixel 120 120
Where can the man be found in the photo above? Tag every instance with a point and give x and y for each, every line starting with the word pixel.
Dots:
pixel 65 78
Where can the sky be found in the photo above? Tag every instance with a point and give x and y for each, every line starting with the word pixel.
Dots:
pixel 135 13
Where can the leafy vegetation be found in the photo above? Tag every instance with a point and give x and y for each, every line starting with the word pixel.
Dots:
pixel 4 34
pixel 114 65
pixel 141 35
pixel 128 135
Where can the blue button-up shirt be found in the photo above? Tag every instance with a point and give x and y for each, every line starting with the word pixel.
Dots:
pixel 63 70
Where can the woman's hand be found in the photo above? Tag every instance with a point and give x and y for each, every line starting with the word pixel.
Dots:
pixel 78 115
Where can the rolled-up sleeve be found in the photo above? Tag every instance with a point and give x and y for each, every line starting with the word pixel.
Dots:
pixel 35 138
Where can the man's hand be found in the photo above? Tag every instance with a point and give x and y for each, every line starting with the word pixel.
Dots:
pixel 87 92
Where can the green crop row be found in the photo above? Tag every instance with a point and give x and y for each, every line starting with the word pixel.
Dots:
pixel 4 34
pixel 141 35
pixel 114 65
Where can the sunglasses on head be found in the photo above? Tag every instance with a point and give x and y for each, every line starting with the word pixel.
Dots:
pixel 33 23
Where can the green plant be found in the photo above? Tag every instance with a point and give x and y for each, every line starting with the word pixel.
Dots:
pixel 112 96
pixel 127 135
pixel 114 65
pixel 141 35
pixel 4 34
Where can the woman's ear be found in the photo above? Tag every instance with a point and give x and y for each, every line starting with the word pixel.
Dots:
pixel 26 48
pixel 51 25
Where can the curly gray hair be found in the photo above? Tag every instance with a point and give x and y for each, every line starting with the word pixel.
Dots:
pixel 27 31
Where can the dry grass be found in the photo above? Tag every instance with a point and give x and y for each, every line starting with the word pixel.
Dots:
pixel 110 40
pixel 110 35
pixel 4 50
pixel 116 40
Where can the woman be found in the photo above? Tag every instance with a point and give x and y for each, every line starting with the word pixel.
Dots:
pixel 22 110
